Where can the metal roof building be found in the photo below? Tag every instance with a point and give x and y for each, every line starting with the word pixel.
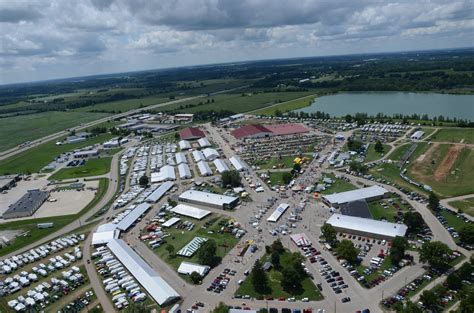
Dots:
pixel 156 286
pixel 184 145
pixel 187 210
pixel 105 233
pixel 208 199
pixel 165 173
pixel 180 158
pixel 368 194
pixel 417 135
pixel 186 268
pixel 210 154
pixel 251 131
pixel 204 142
pixel 159 192
pixel 134 215
pixel 287 129
pixel 27 204
pixel 184 171
pixel 204 168
pixel 220 165
pixel 278 212
pixel 238 164
pixel 191 133
pixel 171 222
pixel 366 227
pixel 198 156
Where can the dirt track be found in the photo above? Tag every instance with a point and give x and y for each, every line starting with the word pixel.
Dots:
pixel 448 161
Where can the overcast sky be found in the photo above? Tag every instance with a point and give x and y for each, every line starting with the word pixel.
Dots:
pixel 61 38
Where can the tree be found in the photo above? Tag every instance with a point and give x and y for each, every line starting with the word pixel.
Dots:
pixel 409 307
pixel 231 178
pixel 275 259
pixel 414 222
pixel 465 271
pixel 143 181
pixel 329 233
pixel 397 252
pixel 277 246
pixel 195 278
pixel 286 177
pixel 207 253
pixel 221 308
pixel 466 234
pixel 259 278
pixel 291 279
pixel 453 281
pixel 170 249
pixel 433 201
pixel 436 254
pixel 429 299
pixel 378 147
pixel 346 250
pixel 467 301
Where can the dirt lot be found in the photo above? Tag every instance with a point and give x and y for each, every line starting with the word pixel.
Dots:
pixel 443 169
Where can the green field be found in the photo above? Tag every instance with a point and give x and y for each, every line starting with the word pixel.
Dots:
pixel 339 185
pixel 19 129
pixel 466 205
pixel 285 161
pixel 93 167
pixel 125 105
pixel 236 103
pixel 454 221
pixel 287 106
pixel 276 178
pixel 309 290
pixel 373 155
pixel 454 135
pixel 59 222
pixel 34 159
pixel 399 152
pixel 388 212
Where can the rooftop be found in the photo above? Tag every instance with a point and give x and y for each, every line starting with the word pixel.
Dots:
pixel 358 194
pixel 250 130
pixel 191 133
pixel 367 225
pixel 207 197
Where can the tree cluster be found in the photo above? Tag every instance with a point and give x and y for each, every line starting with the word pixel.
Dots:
pixel 207 254
pixel 231 178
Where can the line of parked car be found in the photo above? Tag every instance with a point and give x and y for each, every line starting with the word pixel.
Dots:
pixel 222 281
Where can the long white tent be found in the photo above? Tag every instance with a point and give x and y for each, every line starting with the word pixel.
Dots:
pixel 184 171
pixel 156 286
pixel 159 192
pixel 238 164
pixel 220 165
pixel 186 268
pixel 131 217
pixel 184 145
pixel 198 156
pixel 209 199
pixel 204 168
pixel 368 193
pixel 366 226
pixel 204 142
pixel 171 222
pixel 210 154
pixel 166 173
pixel 180 158
pixel 187 210
pixel 278 212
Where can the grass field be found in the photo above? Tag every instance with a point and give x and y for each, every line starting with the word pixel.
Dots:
pixel 34 159
pixel 235 102
pixel 276 178
pixel 339 185
pixel 399 152
pixel 454 221
pixel 388 212
pixel 18 129
pixel 287 106
pixel 126 105
pixel 308 289
pixel 93 167
pixel 286 161
pixel 454 135
pixel 373 155
pixel 59 222
pixel 466 205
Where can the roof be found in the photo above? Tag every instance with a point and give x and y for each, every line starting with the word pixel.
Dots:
pixel 250 130
pixel 184 171
pixel 238 164
pixel 105 233
pixel 300 239
pixel 191 133
pixel 86 152
pixel 278 212
pixel 155 286
pixel 165 173
pixel 204 142
pixel 210 153
pixel 159 192
pixel 198 156
pixel 358 194
pixel 180 158
pixel 192 246
pixel 207 197
pixel 367 225
pixel 241 311
pixel 287 129
pixel 358 208
pixel 171 222
pixel 204 168
pixel 187 210
pixel 29 202
pixel 131 217
pixel 184 145
pixel 187 268
pixel 221 165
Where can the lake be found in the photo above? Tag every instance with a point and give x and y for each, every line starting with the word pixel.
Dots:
pixel 407 103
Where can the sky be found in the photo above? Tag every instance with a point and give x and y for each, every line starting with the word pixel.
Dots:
pixel 42 39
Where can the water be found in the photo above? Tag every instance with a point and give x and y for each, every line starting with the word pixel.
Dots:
pixel 406 103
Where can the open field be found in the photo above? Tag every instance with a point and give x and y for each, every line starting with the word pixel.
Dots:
pixel 276 178
pixel 93 167
pixel 454 135
pixel 454 221
pixel 447 169
pixel 399 152
pixel 339 185
pixel 373 155
pixel 386 210
pixel 36 158
pixel 285 161
pixel 309 290
pixel 125 105
pixel 287 106
pixel 236 103
pixel 18 129
pixel 466 205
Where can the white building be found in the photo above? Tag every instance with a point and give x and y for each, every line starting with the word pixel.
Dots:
pixel 278 212
pixel 186 268
pixel 220 165
pixel 184 171
pixel 368 194
pixel 417 135
pixel 180 158
pixel 198 156
pixel 238 164
pixel 209 199
pixel 210 154
pixel 204 168
pixel 166 173
pixel 184 145
pixel 204 142
pixel 190 211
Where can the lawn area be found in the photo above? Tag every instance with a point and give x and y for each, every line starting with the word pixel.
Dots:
pixel 59 222
pixel 454 135
pixel 286 106
pixel 339 185
pixel 276 178
pixel 399 152
pixel 285 161
pixel 428 131
pixel 454 221
pixel 18 129
pixel 235 102
pixel 93 167
pixel 308 290
pixel 34 159
pixel 391 173
pixel 385 209
pixel 466 205
pixel 373 155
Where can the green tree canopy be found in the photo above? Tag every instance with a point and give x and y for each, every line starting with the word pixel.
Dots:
pixel 207 253
pixel 378 147
pixel 414 222
pixel 436 254
pixel 346 250
pixel 397 251
pixel 231 178
pixel 195 278
pixel 466 234
pixel 143 181
pixel 433 201
pixel 328 232
pixel 429 299
pixel 259 278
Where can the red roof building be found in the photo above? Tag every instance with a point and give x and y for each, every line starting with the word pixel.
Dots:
pixel 251 131
pixel 287 129
pixel 191 133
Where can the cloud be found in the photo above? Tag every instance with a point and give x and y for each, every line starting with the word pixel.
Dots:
pixel 14 12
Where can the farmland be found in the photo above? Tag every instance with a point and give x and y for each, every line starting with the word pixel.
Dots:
pixel 286 106
pixel 454 135
pixel 93 167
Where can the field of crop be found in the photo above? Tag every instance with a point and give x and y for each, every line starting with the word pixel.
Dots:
pixel 34 159
pixel 286 106
pixel 454 135
pixel 93 167
pixel 235 102
pixel 18 129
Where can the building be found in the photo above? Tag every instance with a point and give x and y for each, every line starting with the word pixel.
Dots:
pixel 183 117
pixel 184 171
pixel 180 158
pixel 75 139
pixel 184 145
pixel 357 208
pixel 204 168
pixel 190 211
pixel 210 154
pixel 186 268
pixel 287 129
pixel 367 194
pixel 166 173
pixel 86 154
pixel 191 133
pixel 198 156
pixel 209 199
pixel 275 216
pixel 221 166
pixel 301 240
pixel 105 233
pixel 112 143
pixel 366 227
pixel 8 181
pixel 251 131
pixel 159 192
pixel 204 142
pixel 133 216
pixel 417 135
pixel 27 205
pixel 238 164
